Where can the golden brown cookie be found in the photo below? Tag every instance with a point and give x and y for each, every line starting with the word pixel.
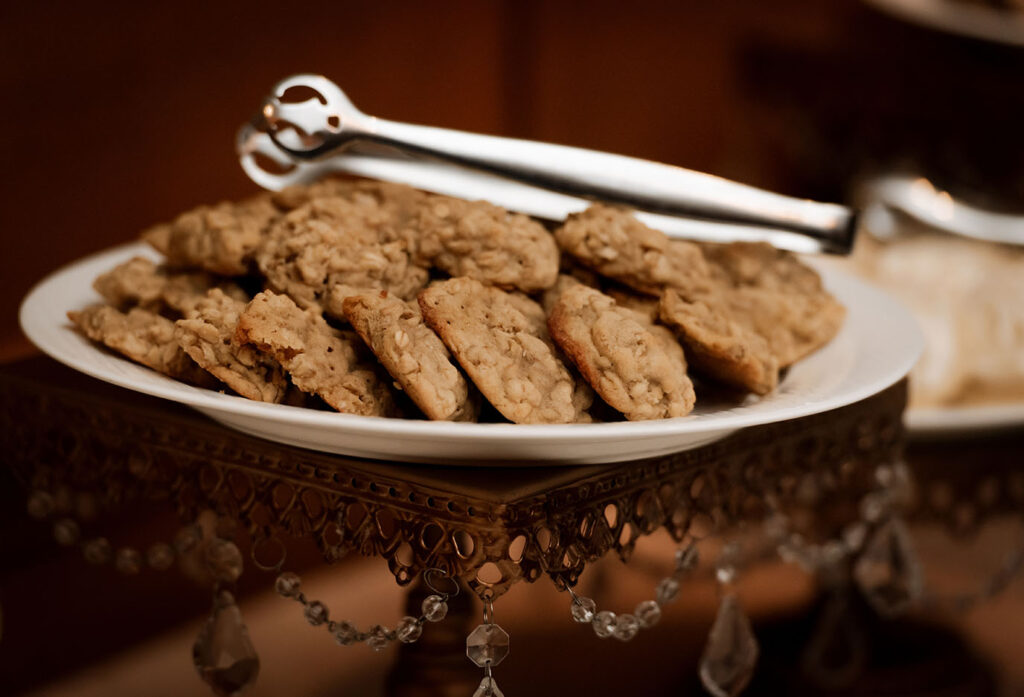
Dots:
pixel 621 358
pixel 720 346
pixel 207 335
pixel 498 347
pixel 551 295
pixel 639 303
pixel 612 242
pixel 318 358
pixel 487 243
pixel 413 354
pixel 143 336
pixel 139 282
pixel 220 239
pixel 773 293
pixel 328 248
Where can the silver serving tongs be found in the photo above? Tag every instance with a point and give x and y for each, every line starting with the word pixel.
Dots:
pixel 298 140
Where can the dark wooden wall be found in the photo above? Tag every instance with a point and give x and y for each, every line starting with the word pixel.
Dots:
pixel 118 115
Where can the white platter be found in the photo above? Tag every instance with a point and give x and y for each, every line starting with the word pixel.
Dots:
pixel 877 346
pixel 976 20
pixel 929 423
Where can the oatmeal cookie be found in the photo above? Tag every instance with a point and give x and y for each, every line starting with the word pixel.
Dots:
pixel 412 353
pixel 498 347
pixel 220 239
pixel 318 358
pixel 772 293
pixel 485 242
pixel 329 248
pixel 139 282
pixel 642 304
pixel 136 282
pixel 401 202
pixel 532 311
pixel 143 336
pixel 207 336
pixel 536 315
pixel 552 294
pixel 612 242
pixel 719 345
pixel 621 359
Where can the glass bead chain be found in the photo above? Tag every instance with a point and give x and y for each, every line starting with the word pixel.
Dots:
pixel 160 556
pixel 892 491
pixel 647 613
pixel 409 629
pixel 1009 569
pixel 875 551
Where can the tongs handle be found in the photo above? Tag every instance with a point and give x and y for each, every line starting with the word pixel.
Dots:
pixel 333 123
pixel 632 181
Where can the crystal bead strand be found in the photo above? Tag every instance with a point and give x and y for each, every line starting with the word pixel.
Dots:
pixel 886 568
pixel 730 654
pixel 223 653
pixel 160 556
pixel 1009 569
pixel 647 613
pixel 486 647
pixel 409 629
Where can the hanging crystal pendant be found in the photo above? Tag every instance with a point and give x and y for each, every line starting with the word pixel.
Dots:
pixel 887 571
pixel 488 688
pixel 487 645
pixel 837 652
pixel 223 653
pixel 731 652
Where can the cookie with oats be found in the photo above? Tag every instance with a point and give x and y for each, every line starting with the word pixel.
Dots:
pixel 142 336
pixel 776 295
pixel 719 345
pixel 612 242
pixel 140 282
pixel 207 335
pixel 220 239
pixel 625 363
pixel 486 242
pixel 329 248
pixel 319 359
pixel 413 354
pixel 499 349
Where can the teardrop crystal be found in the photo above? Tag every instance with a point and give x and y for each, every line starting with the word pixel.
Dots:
pixel 223 653
pixel 838 650
pixel 731 652
pixel 887 571
pixel 488 688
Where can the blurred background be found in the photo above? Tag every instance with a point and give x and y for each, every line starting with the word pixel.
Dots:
pixel 120 115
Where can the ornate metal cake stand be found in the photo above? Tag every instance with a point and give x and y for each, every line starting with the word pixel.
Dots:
pixel 485 529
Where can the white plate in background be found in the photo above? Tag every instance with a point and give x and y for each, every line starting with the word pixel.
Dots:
pixel 976 20
pixel 928 423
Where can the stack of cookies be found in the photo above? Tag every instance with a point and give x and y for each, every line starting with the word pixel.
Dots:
pixel 381 300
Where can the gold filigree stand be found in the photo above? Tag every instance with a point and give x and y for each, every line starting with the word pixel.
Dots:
pixel 489 527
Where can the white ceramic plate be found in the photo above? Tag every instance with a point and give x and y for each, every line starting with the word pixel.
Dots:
pixel 956 422
pixel 979 21
pixel 877 346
